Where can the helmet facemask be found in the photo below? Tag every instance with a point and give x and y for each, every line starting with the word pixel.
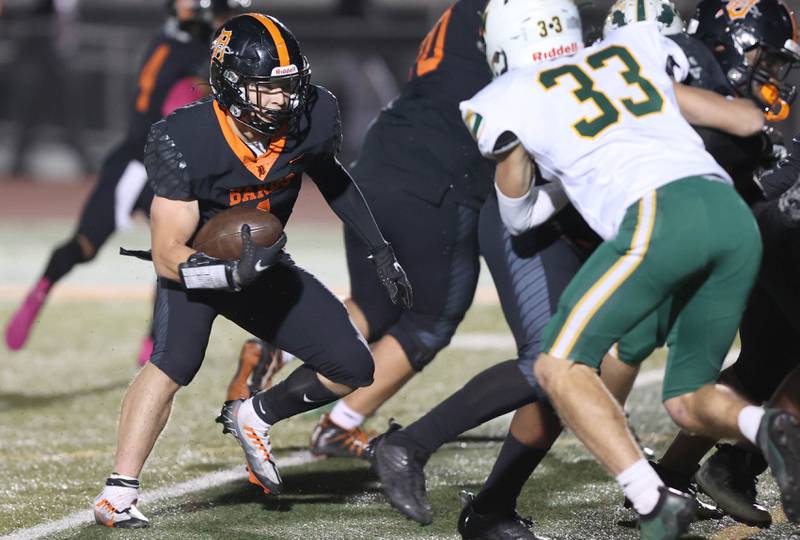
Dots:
pixel 762 72
pixel 268 105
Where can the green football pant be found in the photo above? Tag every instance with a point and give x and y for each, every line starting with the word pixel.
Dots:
pixel 690 248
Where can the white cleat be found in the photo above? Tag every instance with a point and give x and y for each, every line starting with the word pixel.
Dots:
pixel 113 514
pixel 255 442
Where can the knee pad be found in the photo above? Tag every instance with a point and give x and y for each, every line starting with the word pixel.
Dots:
pixel 423 338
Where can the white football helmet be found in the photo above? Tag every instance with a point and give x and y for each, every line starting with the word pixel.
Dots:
pixel 520 33
pixel 663 12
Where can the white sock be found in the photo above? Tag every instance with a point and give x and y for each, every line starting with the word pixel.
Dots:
pixel 247 416
pixel 749 420
pixel 640 482
pixel 345 417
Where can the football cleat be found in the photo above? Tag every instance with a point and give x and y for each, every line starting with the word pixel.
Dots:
pixel 115 506
pixel 261 466
pixel 328 439
pixel 19 327
pixel 670 518
pixel 779 440
pixel 259 361
pixel 728 478
pixel 402 476
pixel 683 483
pixel 496 526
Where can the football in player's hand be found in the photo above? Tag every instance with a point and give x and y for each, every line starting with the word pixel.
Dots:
pixel 221 236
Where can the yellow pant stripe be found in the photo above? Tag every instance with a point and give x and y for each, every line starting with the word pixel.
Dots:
pixel 615 276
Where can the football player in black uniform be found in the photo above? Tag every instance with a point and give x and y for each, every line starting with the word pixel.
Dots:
pixel 250 145
pixel 174 62
pixel 421 173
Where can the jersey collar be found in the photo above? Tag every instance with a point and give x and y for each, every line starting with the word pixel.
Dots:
pixel 259 166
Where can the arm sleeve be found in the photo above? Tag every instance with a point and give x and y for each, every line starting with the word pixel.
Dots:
pixel 167 170
pixel 532 209
pixel 346 200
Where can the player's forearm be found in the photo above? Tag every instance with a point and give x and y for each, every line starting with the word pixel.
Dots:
pixel 514 173
pixel 167 258
pixel 703 108
pixel 347 202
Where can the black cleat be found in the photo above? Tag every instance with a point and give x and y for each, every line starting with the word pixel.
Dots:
pixel 683 483
pixel 779 440
pixel 499 526
pixel 402 475
pixel 728 478
pixel 671 517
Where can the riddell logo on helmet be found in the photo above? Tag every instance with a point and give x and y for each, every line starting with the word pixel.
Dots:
pixel 284 70
pixel 555 52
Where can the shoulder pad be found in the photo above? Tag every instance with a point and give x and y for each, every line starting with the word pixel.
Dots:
pixel 167 171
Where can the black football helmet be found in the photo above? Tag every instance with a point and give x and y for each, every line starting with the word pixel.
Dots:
pixel 253 54
pixel 734 28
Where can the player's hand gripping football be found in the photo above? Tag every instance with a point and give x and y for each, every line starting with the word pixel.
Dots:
pixel 255 259
pixel 392 276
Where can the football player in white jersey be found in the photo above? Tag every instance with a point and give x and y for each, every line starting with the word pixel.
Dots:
pixel 606 124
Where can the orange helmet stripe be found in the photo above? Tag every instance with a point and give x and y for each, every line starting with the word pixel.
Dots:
pixel 277 38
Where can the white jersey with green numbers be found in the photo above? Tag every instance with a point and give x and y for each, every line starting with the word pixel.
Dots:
pixel 604 121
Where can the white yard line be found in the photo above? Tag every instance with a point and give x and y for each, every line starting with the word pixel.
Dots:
pixel 201 483
pixel 464 341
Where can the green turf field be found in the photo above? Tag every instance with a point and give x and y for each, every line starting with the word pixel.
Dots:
pixel 60 397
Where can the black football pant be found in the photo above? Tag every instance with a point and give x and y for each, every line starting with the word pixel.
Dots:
pixel 437 245
pixel 770 328
pixel 287 307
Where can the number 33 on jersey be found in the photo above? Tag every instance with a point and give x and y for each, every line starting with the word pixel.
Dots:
pixel 605 121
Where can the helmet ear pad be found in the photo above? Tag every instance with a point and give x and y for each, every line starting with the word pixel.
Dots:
pixel 254 53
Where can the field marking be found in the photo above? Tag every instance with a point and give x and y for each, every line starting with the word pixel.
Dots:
pixel 207 481
pixel 210 480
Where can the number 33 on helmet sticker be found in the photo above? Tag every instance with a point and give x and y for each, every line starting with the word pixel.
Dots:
pixel 554 25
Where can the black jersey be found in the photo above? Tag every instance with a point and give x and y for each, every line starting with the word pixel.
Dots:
pixel 170 56
pixel 739 156
pixel 193 154
pixel 424 123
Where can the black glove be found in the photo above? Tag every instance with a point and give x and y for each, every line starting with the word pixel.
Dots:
pixel 392 276
pixel 255 259
pixel 201 271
